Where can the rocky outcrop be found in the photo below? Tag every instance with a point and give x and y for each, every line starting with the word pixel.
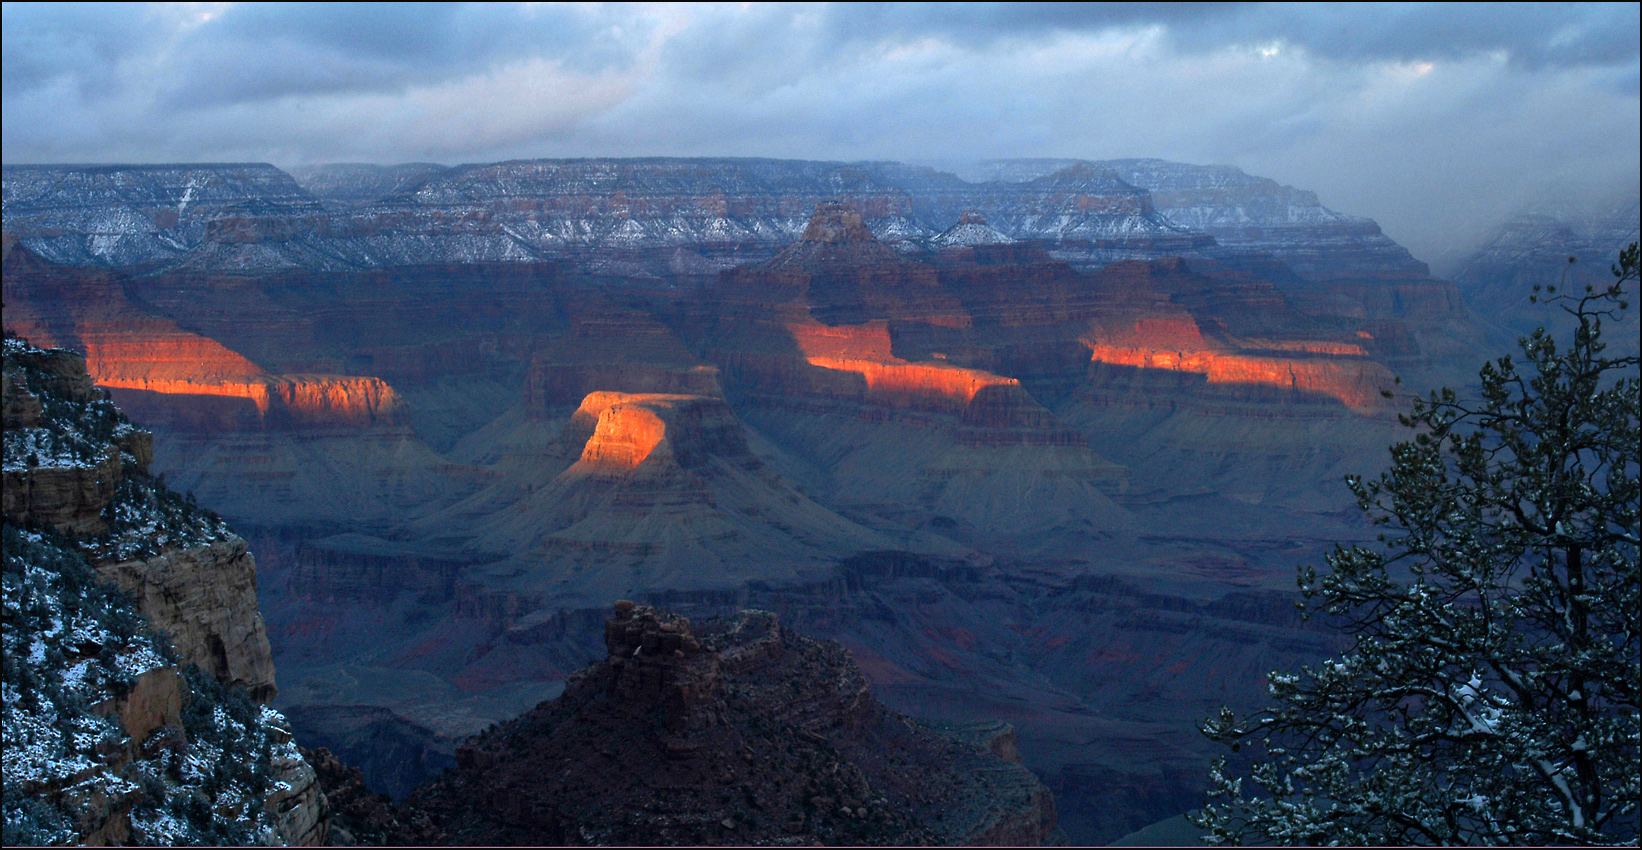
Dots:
pixel 107 741
pixel 630 430
pixel 181 572
pixel 296 801
pixel 362 817
pixel 971 230
pixel 200 587
pixel 55 475
pixel 69 498
pixel 153 702
pixel 747 734
pixel 205 597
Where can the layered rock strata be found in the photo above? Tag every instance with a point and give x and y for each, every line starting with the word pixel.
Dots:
pixel 183 573
pixel 748 734
pixel 608 349
pixel 667 217
pixel 640 485
pixel 844 332
pixel 819 320
pixel 1242 212
pixel 135 216
pixel 1328 263
pixel 163 371
pixel 238 434
pixel 741 438
pixel 197 582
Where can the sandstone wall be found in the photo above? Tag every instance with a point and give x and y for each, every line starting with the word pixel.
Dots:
pixel 68 498
pixel 205 597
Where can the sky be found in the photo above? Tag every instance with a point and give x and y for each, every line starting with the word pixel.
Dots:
pixel 1437 120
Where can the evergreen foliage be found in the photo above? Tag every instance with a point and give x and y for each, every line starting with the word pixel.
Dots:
pixel 1491 693
pixel 69 642
pixel 73 432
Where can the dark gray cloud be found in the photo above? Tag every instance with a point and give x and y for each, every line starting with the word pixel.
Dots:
pixel 1429 117
pixel 196 57
pixel 41 43
pixel 260 51
pixel 1532 34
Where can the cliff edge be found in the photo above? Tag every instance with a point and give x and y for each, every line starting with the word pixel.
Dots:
pixel 137 666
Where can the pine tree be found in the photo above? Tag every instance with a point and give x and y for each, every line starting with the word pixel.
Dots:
pixel 1490 692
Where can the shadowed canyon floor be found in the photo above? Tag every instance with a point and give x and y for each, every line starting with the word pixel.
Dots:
pixel 1067 498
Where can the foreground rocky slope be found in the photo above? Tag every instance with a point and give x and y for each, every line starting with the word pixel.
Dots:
pixel 109 739
pixel 732 732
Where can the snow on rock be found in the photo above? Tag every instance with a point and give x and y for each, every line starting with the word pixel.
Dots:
pixel 109 738
pixel 971 230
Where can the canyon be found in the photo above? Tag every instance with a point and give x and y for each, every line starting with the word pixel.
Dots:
pixel 1040 443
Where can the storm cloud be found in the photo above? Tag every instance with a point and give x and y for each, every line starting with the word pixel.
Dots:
pixel 1433 119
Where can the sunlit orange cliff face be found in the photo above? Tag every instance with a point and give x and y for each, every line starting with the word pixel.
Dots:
pixel 626 434
pixel 818 319
pixel 1333 369
pixel 627 429
pixel 162 373
pixel 890 381
pixel 166 371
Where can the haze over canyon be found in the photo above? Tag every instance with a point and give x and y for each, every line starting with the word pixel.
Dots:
pixel 1039 442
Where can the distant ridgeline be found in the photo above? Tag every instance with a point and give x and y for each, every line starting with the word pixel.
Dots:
pixel 661 217
pixel 136 667
pixel 1552 243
